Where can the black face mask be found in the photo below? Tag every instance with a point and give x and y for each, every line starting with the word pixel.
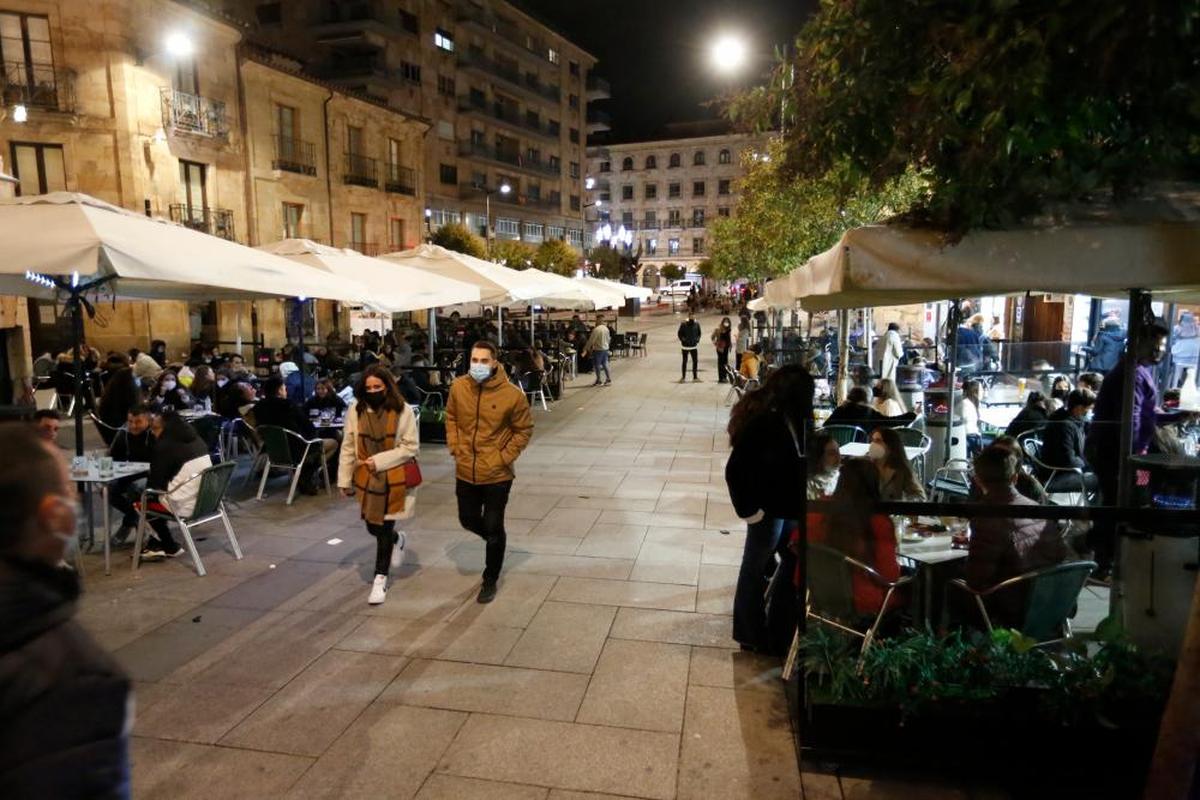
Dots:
pixel 375 399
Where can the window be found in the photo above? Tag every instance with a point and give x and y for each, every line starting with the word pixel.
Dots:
pixel 627 164
pixel 673 218
pixel 478 179
pixel 445 129
pixel 555 198
pixel 697 188
pixel 358 231
pixel 28 59
pixel 553 127
pixel 723 186
pixel 674 162
pixel 573 100
pixel 185 78
pixel 508 228
pixel 555 231
pixel 555 164
pixel 627 219
pixel 38 168
pixel 605 197
pixel 533 191
pixel 627 192
pixel 354 140
pixel 447 173
pixel 724 157
pixel 651 162
pixel 552 55
pixel 396 238
pixel 532 231
pixel 293 216
pixel 606 166
pixel 395 152
pixel 441 216
pixel 650 219
pixel 478 138
pixel 446 85
pixel 574 202
pixel 698 217
pixel 651 246
pixel 410 72
pixel 193 186
pixel 573 68
pixel 533 155
pixel 698 159
pixel 651 191
pixel 672 190
pixel 574 169
pixel 575 237
pixel 442 40
pixel 288 123
pixel 673 247
pixel 723 211
pixel 697 247
pixel 574 137
pixel 409 22
pixel 269 13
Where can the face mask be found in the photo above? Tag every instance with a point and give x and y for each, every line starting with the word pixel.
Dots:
pixel 876 452
pixel 168 385
pixel 375 399
pixel 480 372
pixel 222 381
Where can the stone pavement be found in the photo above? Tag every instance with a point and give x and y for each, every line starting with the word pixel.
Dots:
pixel 603 669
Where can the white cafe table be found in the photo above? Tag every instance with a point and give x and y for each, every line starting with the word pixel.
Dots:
pixel 931 554
pixel 92 477
pixel 859 450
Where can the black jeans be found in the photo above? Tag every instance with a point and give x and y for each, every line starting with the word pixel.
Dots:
pixel 763 540
pixel 481 511
pixel 122 495
pixel 722 365
pixel 1102 538
pixel 385 540
pixel 695 359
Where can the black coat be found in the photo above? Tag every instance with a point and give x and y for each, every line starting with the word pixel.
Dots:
pixel 1062 441
pixel 127 447
pixel 866 417
pixel 64 702
pixel 1030 418
pixel 689 333
pixel 764 471
pixel 169 457
pixel 283 414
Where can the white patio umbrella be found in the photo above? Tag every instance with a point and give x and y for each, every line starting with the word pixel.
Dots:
pixel 394 287
pixel 628 290
pixel 563 292
pixel 498 285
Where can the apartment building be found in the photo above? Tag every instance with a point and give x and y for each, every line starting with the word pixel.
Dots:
pixel 666 193
pixel 159 106
pixel 507 97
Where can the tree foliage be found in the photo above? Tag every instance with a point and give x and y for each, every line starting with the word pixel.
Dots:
pixel 672 271
pixel 513 253
pixel 555 255
pixel 1008 107
pixel 459 238
pixel 605 262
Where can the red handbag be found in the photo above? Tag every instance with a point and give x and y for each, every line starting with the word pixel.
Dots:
pixel 412 474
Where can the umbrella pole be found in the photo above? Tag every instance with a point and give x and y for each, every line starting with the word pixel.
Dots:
pixel 953 318
pixel 868 334
pixel 532 323
pixel 238 322
pixel 843 370
pixel 500 326
pixel 77 335
pixel 300 341
pixel 432 337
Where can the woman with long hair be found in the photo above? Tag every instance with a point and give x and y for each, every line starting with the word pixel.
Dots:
pixel 167 394
pixel 768 431
pixel 887 398
pixel 379 438
pixel 1030 418
pixel 972 400
pixel 856 528
pixel 204 385
pixel 824 462
pixel 121 393
pixel 722 339
pixel 897 481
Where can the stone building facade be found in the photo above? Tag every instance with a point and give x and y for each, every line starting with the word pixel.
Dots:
pixel 667 192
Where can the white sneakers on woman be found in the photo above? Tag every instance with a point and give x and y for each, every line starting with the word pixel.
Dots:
pixel 398 550
pixel 378 590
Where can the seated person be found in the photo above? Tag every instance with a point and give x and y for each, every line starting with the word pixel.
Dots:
pixel 48 422
pixel 1003 548
pixel 1030 418
pixel 824 463
pixel 134 442
pixel 1091 381
pixel 886 398
pixel 275 409
pixel 1062 445
pixel 325 398
pixel 178 454
pixel 1027 485
pixel 897 481
pixel 167 394
pixel 857 411
pixel 751 363
pixel 854 528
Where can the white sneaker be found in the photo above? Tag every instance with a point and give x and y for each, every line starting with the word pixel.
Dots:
pixel 378 590
pixel 398 550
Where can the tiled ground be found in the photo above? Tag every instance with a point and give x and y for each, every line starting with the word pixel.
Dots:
pixel 603 669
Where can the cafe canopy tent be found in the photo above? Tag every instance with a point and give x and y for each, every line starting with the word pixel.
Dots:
pixel 629 291
pixel 562 292
pixel 393 286
pixel 498 285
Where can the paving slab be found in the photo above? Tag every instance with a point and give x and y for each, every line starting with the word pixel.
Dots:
pixel 495 689
pixel 564 636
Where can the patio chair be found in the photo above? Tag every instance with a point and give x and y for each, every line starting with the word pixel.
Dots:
pixel 107 432
pixel 736 387
pixel 281 447
pixel 642 348
pixel 951 482
pixel 238 436
pixel 209 507
pixel 637 342
pixel 845 434
pixel 1049 604
pixel 533 383
pixel 632 339
pixel 1031 445
pixel 911 437
pixel 618 345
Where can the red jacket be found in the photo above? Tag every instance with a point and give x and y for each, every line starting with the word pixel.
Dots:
pixel 868 593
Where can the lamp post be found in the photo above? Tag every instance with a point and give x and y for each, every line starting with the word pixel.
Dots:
pixel 504 189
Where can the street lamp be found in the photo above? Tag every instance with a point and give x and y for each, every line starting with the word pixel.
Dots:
pixel 504 189
pixel 728 53
pixel 180 45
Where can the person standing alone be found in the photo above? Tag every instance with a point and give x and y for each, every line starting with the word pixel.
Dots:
pixel 689 340
pixel 722 339
pixel 488 425
pixel 597 346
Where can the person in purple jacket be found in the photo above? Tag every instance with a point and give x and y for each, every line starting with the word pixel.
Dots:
pixel 1104 437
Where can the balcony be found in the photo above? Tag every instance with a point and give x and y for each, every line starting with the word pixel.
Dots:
pixel 598 120
pixel 366 248
pixel 474 59
pixel 190 113
pixel 294 155
pixel 213 221
pixel 352 26
pixel 598 88
pixel 39 86
pixel 496 111
pixel 401 180
pixel 361 171
pixel 508 158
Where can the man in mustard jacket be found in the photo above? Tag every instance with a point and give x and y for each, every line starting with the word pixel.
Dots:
pixel 488 424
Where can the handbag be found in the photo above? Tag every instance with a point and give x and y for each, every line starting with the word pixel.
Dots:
pixel 412 474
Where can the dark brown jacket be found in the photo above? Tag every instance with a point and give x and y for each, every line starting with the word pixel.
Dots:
pixel 487 426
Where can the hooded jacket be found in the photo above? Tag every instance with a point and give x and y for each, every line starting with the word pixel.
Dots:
pixel 65 704
pixel 487 426
pixel 689 334
pixel 1107 348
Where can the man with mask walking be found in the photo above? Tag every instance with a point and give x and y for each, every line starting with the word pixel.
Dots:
pixel 689 341
pixel 488 425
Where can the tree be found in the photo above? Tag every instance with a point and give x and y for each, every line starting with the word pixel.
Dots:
pixel 1008 107
pixel 606 262
pixel 707 269
pixel 672 271
pixel 555 255
pixel 513 253
pixel 457 237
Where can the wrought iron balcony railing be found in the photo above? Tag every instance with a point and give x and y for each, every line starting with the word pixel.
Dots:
pixel 511 158
pixel 295 155
pixel 402 180
pixel 366 248
pixel 191 113
pixel 361 171
pixel 38 85
pixel 214 221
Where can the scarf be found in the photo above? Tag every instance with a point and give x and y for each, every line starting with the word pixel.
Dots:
pixel 382 494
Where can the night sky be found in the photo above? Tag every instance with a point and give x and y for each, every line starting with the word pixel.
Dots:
pixel 655 52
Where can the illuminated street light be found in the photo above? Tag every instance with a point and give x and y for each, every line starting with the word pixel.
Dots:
pixel 20 113
pixel 505 188
pixel 728 53
pixel 589 183
pixel 179 45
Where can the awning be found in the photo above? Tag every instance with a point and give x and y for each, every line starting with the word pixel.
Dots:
pixel 496 284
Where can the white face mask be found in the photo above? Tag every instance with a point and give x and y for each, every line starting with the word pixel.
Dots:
pixel 168 385
pixel 222 381
pixel 876 452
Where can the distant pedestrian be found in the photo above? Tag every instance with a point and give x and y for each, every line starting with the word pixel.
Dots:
pixel 597 346
pixel 66 705
pixel 488 424
pixel 893 352
pixel 722 339
pixel 689 341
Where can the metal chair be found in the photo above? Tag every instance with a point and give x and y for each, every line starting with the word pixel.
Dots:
pixel 736 384
pixel 951 482
pixel 632 340
pixel 1031 445
pixel 209 507
pixel 912 437
pixel 237 436
pixel 642 348
pixel 533 383
pixel 278 446
pixel 618 345
pixel 1053 593
pixel 107 432
pixel 636 343
pixel 845 434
